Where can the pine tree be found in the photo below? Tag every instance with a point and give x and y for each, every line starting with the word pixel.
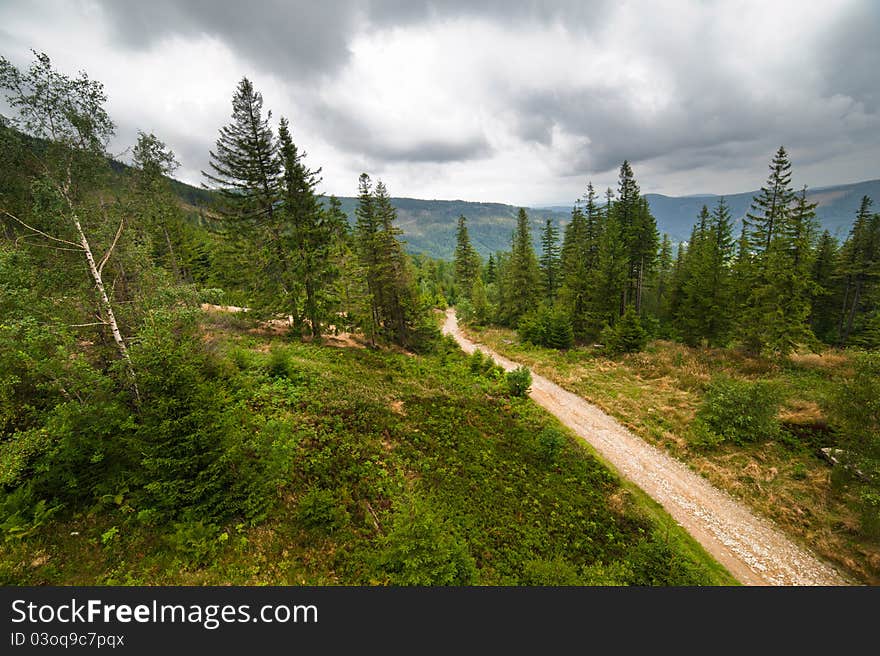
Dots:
pixel 704 311
pixel 774 316
pixel 245 164
pixel 309 230
pixel 369 254
pixel 521 280
pixel 467 261
pixel 824 306
pixel 638 229
pixel 770 208
pixel 491 270
pixel 658 299
pixel 609 279
pixel 549 262
pixel 395 309
pixel 859 269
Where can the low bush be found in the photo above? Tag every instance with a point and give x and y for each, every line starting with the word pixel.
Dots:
pixel 422 549
pixel 321 510
pixel 736 411
pixel 626 336
pixel 519 381
pixel 550 443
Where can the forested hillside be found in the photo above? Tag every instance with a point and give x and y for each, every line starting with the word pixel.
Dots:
pixel 322 432
pixel 429 225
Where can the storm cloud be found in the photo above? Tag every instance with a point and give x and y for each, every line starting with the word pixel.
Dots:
pixel 519 102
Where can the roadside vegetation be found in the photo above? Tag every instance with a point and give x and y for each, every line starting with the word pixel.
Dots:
pixel 752 425
pixel 363 466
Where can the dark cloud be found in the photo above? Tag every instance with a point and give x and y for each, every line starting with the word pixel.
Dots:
pixel 302 38
pixel 290 39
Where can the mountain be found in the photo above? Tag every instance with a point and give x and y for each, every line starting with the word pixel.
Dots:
pixel 429 225
pixel 837 207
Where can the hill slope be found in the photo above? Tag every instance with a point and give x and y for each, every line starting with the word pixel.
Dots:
pixel 429 225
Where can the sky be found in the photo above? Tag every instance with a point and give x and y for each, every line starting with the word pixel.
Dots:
pixel 496 101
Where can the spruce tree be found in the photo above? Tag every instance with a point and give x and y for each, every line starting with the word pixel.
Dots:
pixel 824 305
pixel 310 231
pixel 779 232
pixel 368 248
pixel 521 283
pixel 609 279
pixel 659 290
pixel 491 270
pixel 467 261
pixel 770 208
pixel 549 262
pixel 395 310
pixel 704 312
pixel 246 170
pixel 859 269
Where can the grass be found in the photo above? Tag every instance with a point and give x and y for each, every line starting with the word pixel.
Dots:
pixel 656 394
pixel 362 434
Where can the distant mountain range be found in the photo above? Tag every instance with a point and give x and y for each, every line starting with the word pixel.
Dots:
pixel 429 225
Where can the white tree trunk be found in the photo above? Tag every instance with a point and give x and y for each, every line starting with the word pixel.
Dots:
pixel 105 302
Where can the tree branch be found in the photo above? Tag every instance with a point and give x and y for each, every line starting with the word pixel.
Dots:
pixel 115 239
pixel 40 232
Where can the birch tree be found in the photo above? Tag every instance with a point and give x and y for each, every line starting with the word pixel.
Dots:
pixel 72 130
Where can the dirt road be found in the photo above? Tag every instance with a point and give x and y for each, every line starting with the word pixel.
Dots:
pixel 750 547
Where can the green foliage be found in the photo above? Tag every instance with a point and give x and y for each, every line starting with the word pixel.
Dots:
pixel 21 516
pixel 280 364
pixel 550 444
pixel 627 335
pixel 520 278
pixel 655 561
pixel 519 381
pixel 320 509
pixel 546 327
pixel 855 413
pixel 736 411
pixel 422 549
pixel 555 572
pixel 195 543
pixel 467 261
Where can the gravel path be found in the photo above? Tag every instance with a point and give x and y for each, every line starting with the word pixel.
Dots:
pixel 750 547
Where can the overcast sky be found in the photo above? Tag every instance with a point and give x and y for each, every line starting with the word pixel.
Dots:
pixel 503 100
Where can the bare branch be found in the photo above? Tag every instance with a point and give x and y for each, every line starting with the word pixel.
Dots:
pixel 115 239
pixel 24 240
pixel 40 232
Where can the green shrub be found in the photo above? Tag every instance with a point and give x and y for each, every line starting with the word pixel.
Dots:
pixel 545 327
pixel 422 549
pixel 21 516
pixel 627 335
pixel 280 364
pixel 476 362
pixel 320 509
pixel 550 443
pixel 855 414
pixel 559 333
pixel 483 365
pixel 654 562
pixel 532 327
pixel 736 411
pixel 196 543
pixel 519 381
pixel 554 572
